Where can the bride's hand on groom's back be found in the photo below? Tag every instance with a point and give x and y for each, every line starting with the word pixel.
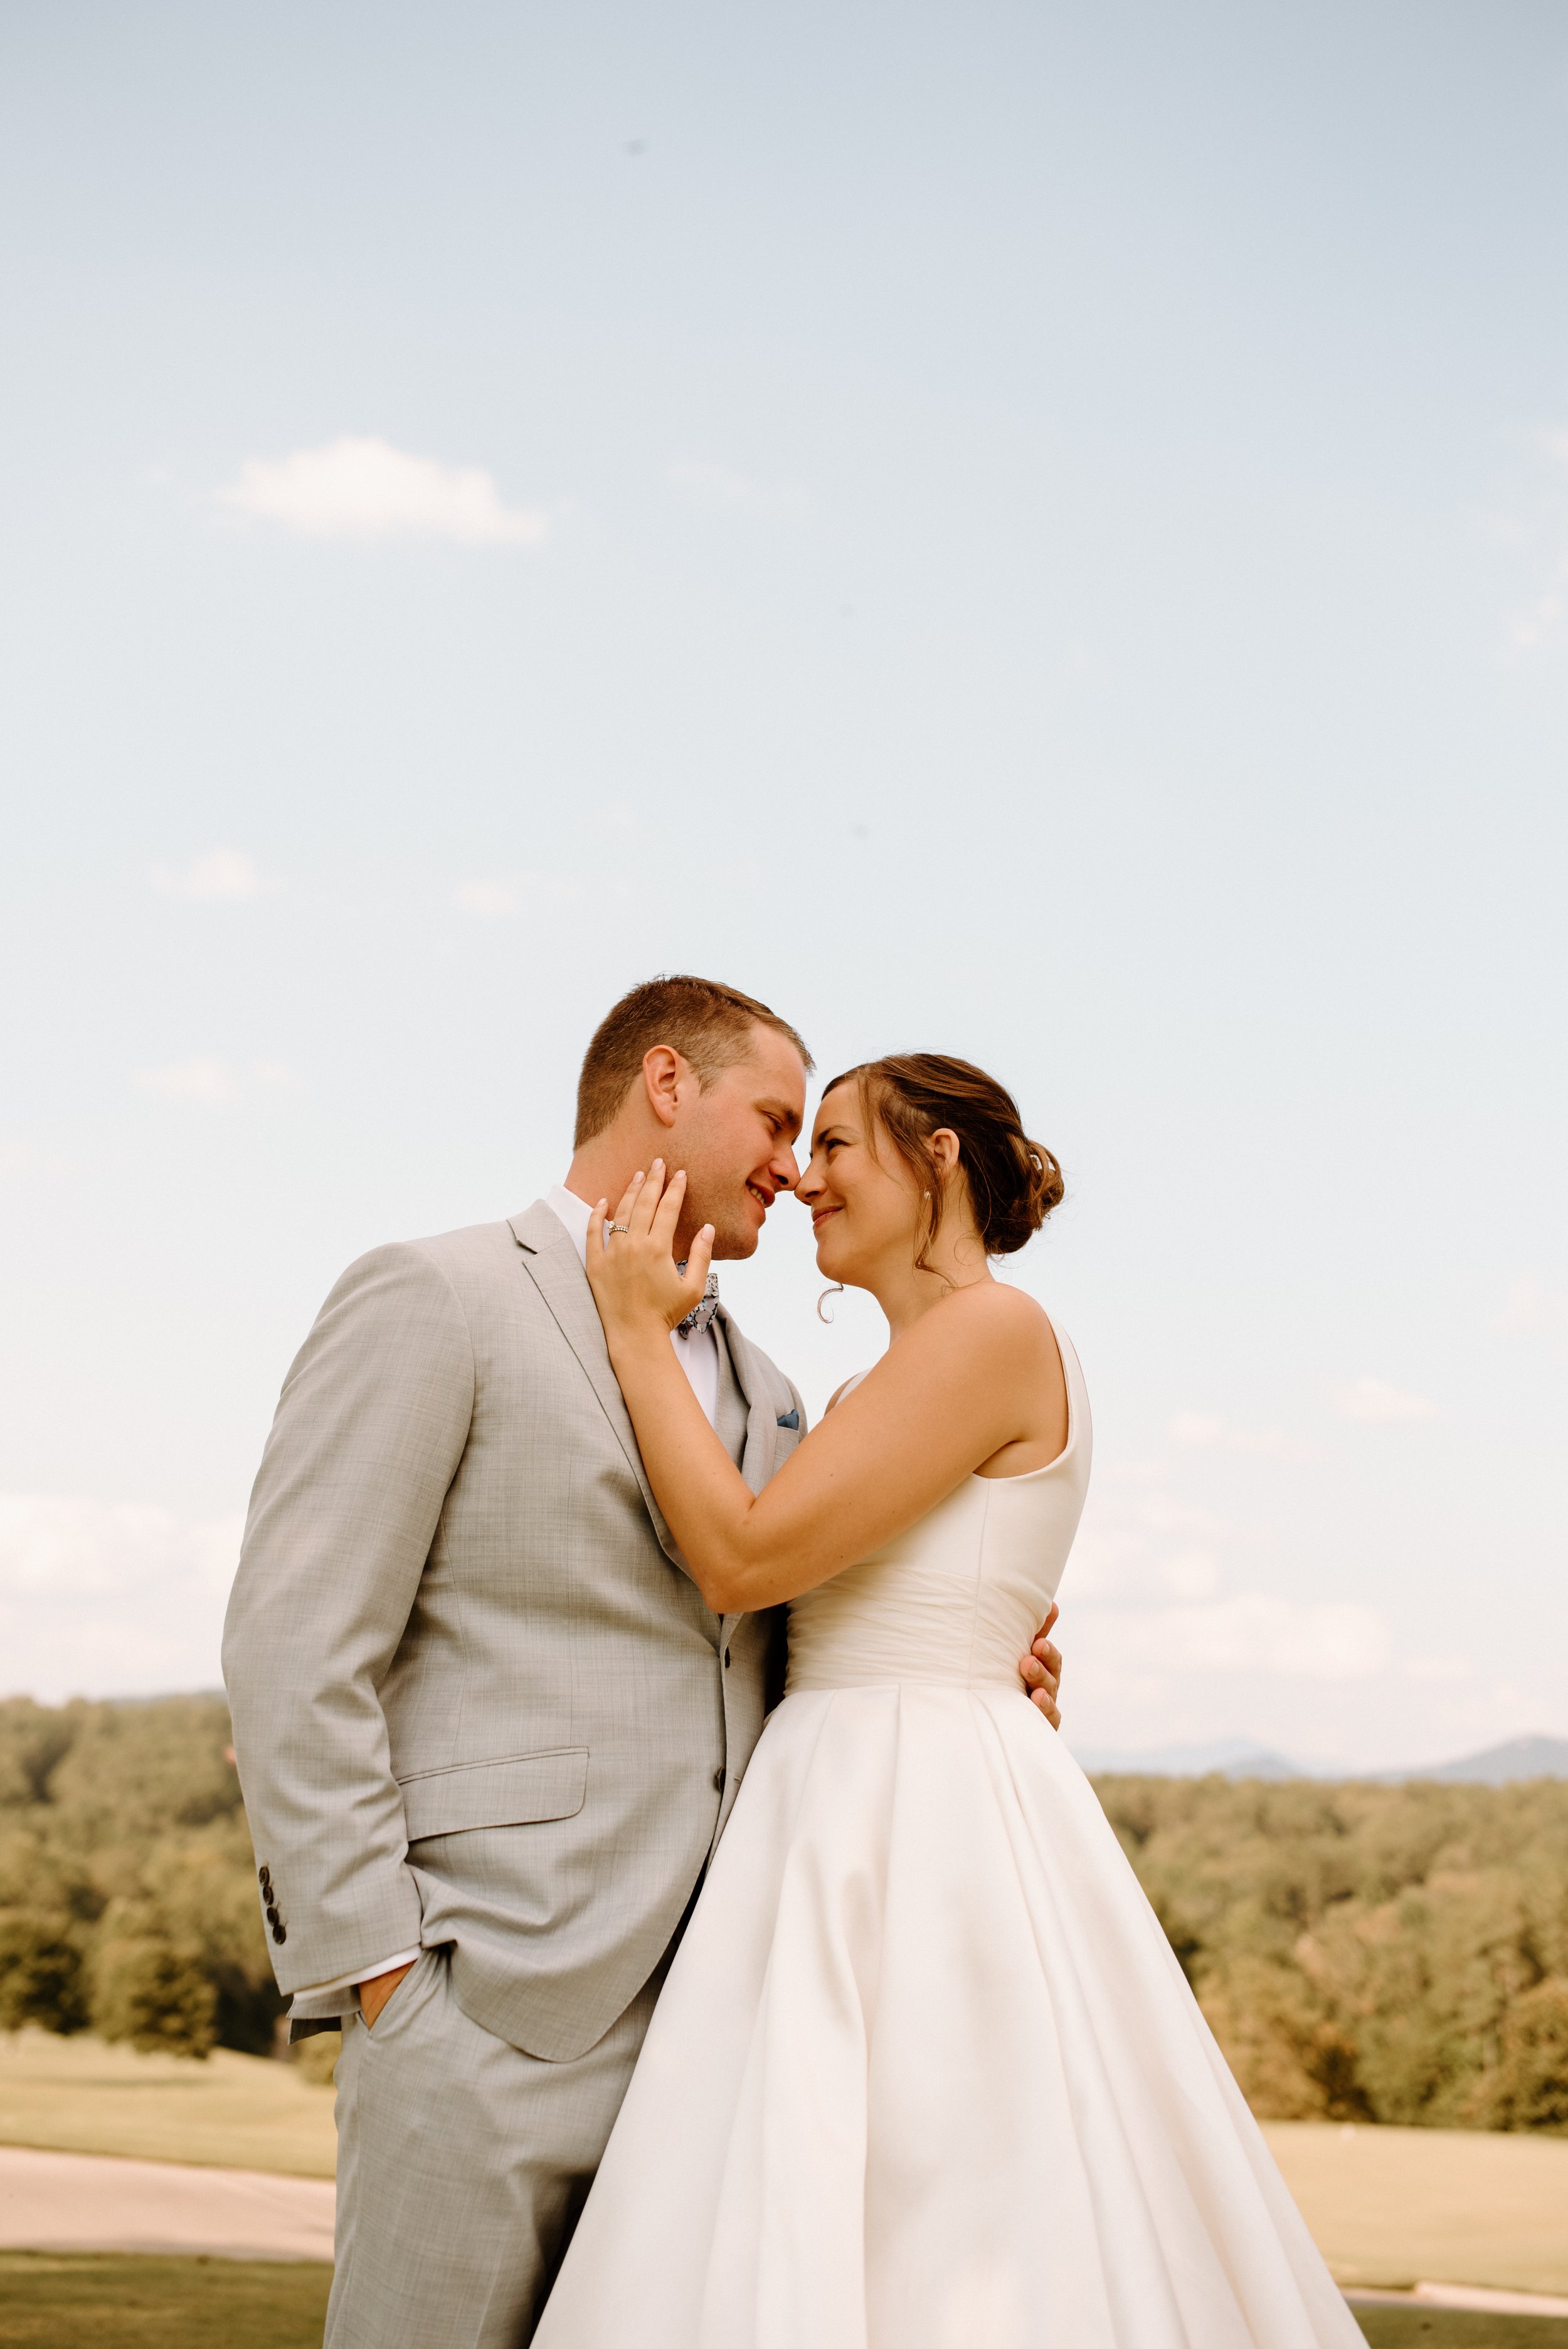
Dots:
pixel 1041 1671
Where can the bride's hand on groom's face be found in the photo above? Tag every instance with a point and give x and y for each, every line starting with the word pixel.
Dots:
pixel 631 1258
pixel 1041 1671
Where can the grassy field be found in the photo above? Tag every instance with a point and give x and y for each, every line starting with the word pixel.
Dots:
pixel 50 2299
pixel 230 2112
pixel 1453 2328
pixel 51 2302
pixel 1395 2206
pixel 1388 2207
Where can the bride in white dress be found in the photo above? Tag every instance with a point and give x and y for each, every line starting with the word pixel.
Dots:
pixel 925 2074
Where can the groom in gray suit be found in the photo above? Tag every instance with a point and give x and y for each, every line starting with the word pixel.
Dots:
pixel 487 1731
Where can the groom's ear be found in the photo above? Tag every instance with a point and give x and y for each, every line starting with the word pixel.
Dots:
pixel 663 1069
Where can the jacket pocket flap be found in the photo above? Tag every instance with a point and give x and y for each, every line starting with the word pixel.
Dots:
pixel 496 1793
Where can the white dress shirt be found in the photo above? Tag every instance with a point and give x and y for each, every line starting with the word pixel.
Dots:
pixel 699 1358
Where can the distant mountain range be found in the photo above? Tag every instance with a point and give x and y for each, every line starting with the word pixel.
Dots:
pixel 1497 1766
pixel 1231 1757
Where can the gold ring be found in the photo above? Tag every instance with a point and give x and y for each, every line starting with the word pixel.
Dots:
pixel 621 1227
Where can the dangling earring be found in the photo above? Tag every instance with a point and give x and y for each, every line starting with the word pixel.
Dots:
pixel 836 1291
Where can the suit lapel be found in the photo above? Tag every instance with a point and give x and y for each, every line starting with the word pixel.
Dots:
pixel 761 1453
pixel 551 1261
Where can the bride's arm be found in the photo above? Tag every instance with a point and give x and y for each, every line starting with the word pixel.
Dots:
pixel 952 1391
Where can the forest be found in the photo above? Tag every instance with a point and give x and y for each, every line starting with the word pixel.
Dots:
pixel 1362 1953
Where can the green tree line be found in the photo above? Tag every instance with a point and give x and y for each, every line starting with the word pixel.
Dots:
pixel 127 1898
pixel 1367 1953
pixel 1362 1953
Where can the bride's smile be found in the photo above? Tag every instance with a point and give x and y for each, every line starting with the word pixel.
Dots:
pixel 870 1218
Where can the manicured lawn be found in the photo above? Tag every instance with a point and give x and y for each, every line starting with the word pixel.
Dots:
pixel 1388 2206
pixel 1457 2328
pixel 51 2299
pixel 232 2112
pixel 1395 2206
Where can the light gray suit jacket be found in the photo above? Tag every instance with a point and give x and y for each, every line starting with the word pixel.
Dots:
pixel 478 1699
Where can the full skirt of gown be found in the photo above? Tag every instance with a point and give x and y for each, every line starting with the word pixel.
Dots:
pixel 926 2075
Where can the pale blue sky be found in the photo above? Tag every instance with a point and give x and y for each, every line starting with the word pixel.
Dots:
pixel 1050 540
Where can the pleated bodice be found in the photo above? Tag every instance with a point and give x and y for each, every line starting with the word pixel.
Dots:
pixel 958 1596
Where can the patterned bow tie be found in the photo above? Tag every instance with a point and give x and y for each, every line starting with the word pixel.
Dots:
pixel 702 1313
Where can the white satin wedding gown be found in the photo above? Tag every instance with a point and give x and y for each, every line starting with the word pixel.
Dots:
pixel 925 2074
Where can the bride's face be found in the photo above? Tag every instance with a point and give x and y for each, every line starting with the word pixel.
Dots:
pixel 865 1209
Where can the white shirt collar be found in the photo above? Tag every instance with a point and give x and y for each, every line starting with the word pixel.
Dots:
pixel 573 1213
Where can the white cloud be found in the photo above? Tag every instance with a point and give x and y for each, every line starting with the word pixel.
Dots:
pixel 1204 1430
pixel 1378 1404
pixel 1145 1549
pixel 500 898
pixel 202 1077
pixel 364 489
pixel 1530 1309
pixel 206 1079
pixel 1158 1648
pixel 491 900
pixel 1181 1625
pixel 1323 1684
pixel 618 821
pixel 1441 1671
pixel 728 492
pixel 217 873
pixel 98 1600
pixel 1249 1634
pixel 1542 624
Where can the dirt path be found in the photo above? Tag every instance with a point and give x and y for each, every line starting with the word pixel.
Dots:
pixel 79 2202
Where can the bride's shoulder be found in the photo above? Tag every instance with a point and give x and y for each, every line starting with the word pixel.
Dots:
pixel 995 1310
pixel 987 1329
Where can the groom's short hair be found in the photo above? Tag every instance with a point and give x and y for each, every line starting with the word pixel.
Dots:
pixel 708 1025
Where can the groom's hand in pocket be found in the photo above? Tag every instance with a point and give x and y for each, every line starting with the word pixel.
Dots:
pixel 374 1993
pixel 1041 1671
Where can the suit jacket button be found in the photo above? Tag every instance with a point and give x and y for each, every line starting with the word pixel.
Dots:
pixel 273 1917
pixel 264 1878
pixel 718 1780
pixel 280 1934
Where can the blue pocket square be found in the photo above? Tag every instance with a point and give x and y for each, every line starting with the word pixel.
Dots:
pixel 789 1419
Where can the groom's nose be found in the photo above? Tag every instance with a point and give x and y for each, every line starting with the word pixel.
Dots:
pixel 785 1170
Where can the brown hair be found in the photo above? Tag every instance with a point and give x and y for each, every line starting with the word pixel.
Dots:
pixel 708 1025
pixel 1014 1183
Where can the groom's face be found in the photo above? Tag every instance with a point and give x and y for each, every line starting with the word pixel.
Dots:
pixel 735 1139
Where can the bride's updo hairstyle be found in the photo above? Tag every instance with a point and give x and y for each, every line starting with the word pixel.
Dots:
pixel 1014 1183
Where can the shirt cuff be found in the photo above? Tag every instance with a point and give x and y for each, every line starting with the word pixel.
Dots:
pixel 362 1975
